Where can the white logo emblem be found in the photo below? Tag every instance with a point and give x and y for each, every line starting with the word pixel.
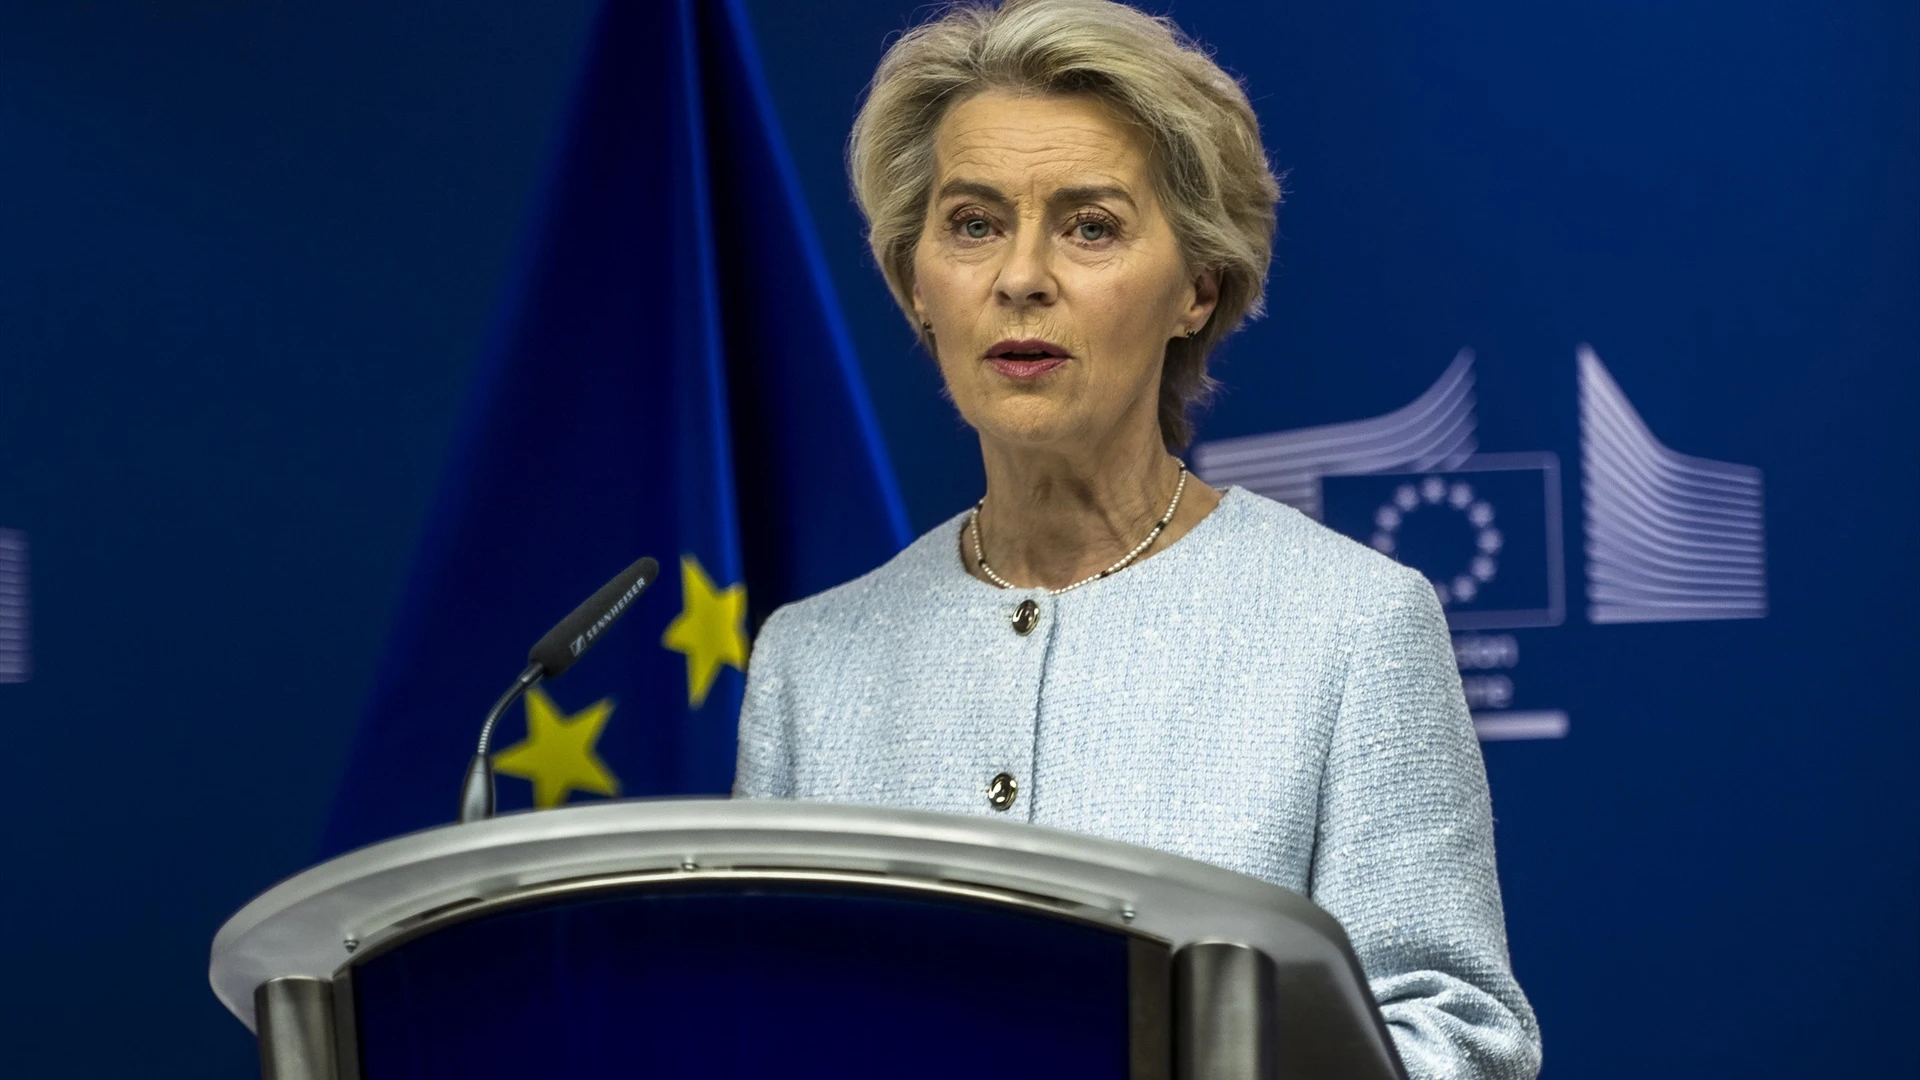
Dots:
pixel 1669 537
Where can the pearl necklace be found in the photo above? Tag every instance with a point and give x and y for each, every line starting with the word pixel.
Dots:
pixel 973 526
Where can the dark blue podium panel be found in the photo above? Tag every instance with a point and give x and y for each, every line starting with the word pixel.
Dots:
pixel 724 980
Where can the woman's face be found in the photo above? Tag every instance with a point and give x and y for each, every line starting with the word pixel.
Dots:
pixel 1049 272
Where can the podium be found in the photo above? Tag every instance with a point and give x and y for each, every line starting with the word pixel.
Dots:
pixel 716 938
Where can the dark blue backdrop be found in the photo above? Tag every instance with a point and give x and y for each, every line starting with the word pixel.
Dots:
pixel 251 256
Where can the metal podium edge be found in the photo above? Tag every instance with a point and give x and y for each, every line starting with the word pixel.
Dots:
pixel 311 924
pixel 428 922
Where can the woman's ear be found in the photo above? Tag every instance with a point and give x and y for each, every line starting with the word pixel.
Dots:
pixel 1206 296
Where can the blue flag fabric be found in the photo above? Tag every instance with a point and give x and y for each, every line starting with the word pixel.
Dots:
pixel 674 380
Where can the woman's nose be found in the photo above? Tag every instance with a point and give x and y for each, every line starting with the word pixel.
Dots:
pixel 1027 276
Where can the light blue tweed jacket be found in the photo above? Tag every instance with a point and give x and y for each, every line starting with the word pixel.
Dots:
pixel 1264 695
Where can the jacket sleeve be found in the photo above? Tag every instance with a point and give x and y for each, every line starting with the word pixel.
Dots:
pixel 764 766
pixel 1404 852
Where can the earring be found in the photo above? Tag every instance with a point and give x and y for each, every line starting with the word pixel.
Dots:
pixel 1191 334
pixel 927 326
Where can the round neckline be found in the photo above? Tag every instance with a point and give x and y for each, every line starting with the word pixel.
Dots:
pixel 1230 493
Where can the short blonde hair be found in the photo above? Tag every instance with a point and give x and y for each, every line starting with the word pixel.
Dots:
pixel 1211 171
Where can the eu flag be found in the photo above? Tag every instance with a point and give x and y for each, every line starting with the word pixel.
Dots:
pixel 673 379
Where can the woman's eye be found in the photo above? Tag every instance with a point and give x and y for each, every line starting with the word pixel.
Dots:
pixel 1092 231
pixel 975 228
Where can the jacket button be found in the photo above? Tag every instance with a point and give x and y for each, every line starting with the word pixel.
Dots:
pixel 1002 790
pixel 1026 617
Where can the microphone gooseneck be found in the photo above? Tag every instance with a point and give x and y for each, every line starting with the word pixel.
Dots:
pixel 476 792
pixel 549 658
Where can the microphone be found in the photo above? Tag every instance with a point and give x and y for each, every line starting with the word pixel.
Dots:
pixel 549 658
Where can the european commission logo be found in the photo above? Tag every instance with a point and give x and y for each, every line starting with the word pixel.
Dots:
pixel 1485 532
pixel 1668 536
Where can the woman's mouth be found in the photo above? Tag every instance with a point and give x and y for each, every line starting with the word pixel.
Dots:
pixel 1025 359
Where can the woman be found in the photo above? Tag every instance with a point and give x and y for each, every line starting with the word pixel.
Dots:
pixel 1072 203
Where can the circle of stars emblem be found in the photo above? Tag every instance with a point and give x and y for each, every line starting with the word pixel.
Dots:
pixel 1436 494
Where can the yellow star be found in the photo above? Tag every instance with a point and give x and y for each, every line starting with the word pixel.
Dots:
pixel 557 754
pixel 711 629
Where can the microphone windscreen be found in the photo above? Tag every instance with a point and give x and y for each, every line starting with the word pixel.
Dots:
pixel 576 633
